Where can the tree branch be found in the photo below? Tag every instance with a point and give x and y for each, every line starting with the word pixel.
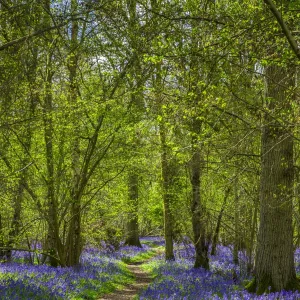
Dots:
pixel 29 36
pixel 180 18
pixel 284 27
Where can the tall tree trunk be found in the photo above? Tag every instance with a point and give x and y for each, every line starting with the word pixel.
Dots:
pixel 26 137
pixel 167 178
pixel 16 221
pixel 297 211
pixel 3 253
pixel 132 238
pixel 274 264
pixel 137 101
pixel 237 235
pixel 218 226
pixel 250 247
pixel 54 244
pixel 168 163
pixel 74 240
pixel 197 208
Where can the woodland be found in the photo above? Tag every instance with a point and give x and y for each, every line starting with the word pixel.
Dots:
pixel 160 132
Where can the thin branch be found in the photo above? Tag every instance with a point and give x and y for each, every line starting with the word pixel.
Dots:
pixel 30 36
pixel 36 33
pixel 197 18
pixel 101 187
pixel 284 27
pixel 231 114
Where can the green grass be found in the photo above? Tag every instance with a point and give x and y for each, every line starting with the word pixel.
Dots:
pixel 117 282
pixel 100 289
pixel 141 257
pixel 151 267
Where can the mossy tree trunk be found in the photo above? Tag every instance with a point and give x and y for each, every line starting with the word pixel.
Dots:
pixel 168 161
pixel 197 207
pixel 74 239
pixel 54 244
pixel 167 179
pixel 297 212
pixel 26 137
pixel 219 220
pixel 237 235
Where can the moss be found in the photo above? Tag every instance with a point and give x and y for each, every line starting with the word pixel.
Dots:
pixel 293 285
pixel 251 286
pixel 266 286
pixel 261 287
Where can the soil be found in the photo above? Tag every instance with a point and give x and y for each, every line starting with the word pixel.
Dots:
pixel 142 279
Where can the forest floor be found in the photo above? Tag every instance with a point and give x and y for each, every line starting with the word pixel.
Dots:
pixel 142 280
pixel 134 273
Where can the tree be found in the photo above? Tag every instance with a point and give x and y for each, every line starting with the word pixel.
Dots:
pixel 137 103
pixel 25 88
pixel 274 263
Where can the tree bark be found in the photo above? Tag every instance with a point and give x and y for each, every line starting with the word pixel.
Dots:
pixel 167 174
pixel 74 240
pixel 54 244
pixel 274 264
pixel 218 226
pixel 53 229
pixel 197 208
pixel 137 101
pixel 253 230
pixel 132 238
pixel 237 235
pixel 26 138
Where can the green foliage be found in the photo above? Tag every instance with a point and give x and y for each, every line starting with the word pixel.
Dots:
pixel 101 97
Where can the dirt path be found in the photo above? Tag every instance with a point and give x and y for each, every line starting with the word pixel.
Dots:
pixel 142 279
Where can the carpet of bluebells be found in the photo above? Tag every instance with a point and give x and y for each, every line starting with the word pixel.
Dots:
pixel 19 280
pixel 175 280
pixel 179 280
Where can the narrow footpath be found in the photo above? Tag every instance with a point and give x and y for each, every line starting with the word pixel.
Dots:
pixel 142 279
pixel 130 291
